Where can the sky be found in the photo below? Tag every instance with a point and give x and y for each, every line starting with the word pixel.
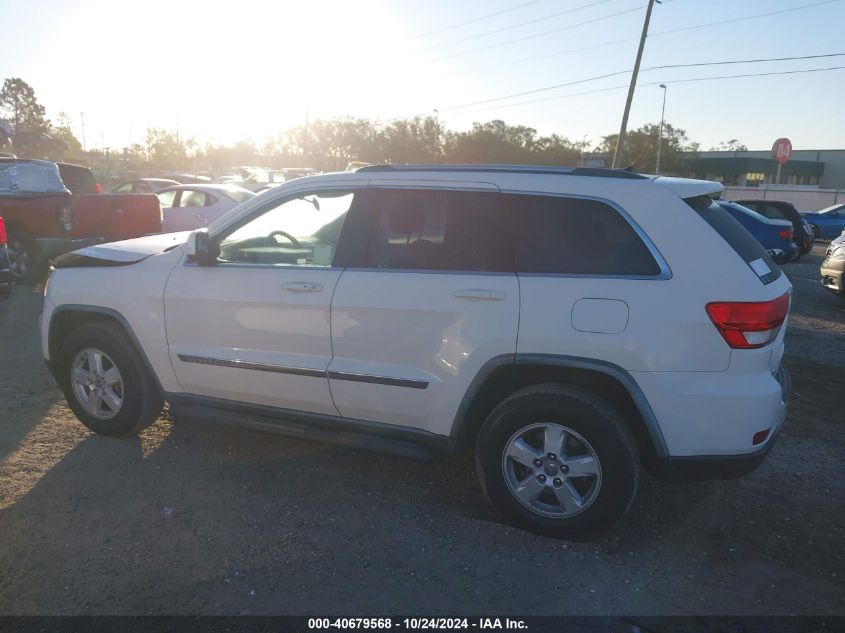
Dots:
pixel 224 71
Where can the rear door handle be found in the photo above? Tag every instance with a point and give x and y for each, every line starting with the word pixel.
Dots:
pixel 302 286
pixel 479 294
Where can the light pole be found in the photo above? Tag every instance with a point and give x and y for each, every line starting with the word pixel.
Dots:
pixel 436 135
pixel 660 133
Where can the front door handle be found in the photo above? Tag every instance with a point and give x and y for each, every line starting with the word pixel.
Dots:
pixel 479 294
pixel 302 286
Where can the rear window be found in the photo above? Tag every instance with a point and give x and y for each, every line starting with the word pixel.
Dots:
pixel 78 179
pixel 574 236
pixel 23 178
pixel 738 238
pixel 238 194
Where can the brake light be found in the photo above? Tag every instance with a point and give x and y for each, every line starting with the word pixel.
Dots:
pixel 785 234
pixel 748 325
pixel 2 232
pixel 99 188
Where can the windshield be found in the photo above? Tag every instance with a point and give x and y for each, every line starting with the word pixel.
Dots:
pixel 835 207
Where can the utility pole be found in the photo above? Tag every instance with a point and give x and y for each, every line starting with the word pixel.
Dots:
pixel 436 135
pixel 619 154
pixel 305 143
pixel 660 133
pixel 82 121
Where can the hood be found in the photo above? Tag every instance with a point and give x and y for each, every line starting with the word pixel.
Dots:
pixel 121 253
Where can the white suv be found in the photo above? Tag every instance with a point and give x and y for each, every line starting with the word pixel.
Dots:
pixel 569 325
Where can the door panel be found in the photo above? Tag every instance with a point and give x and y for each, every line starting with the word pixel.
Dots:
pixel 410 327
pixel 240 333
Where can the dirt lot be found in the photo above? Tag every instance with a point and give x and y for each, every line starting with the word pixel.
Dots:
pixel 189 519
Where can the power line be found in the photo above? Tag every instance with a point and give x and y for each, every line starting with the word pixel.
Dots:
pixel 623 72
pixel 651 35
pixel 535 35
pixel 470 21
pixel 749 17
pixel 511 27
pixel 656 83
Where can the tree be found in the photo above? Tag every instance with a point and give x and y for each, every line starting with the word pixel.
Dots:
pixel 641 148
pixel 167 150
pixel 19 105
pixel 732 145
pixel 62 134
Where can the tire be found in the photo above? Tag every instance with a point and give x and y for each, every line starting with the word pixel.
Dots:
pixel 23 256
pixel 816 231
pixel 590 422
pixel 140 402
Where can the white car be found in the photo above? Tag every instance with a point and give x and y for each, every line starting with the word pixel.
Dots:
pixel 551 319
pixel 188 207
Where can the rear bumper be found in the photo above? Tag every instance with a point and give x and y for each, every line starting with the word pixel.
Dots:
pixel 710 467
pixel 50 247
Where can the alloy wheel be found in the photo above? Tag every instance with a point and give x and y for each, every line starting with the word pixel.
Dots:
pixel 551 470
pixel 18 259
pixel 97 383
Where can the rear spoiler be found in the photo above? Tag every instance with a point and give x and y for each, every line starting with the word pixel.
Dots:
pixel 689 188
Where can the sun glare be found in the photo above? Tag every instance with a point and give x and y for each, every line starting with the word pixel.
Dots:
pixel 222 72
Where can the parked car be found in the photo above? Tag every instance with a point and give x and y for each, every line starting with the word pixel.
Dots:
pixel 144 185
pixel 188 207
pixel 779 210
pixel 774 235
pixel 187 179
pixel 530 313
pixel 5 272
pixel 827 223
pixel 833 267
pixel 44 219
pixel 78 179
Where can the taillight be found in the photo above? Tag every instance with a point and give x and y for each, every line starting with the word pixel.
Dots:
pixel 99 188
pixel 64 215
pixel 2 232
pixel 785 234
pixel 747 325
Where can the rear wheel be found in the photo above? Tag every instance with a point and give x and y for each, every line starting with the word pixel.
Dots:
pixel 22 255
pixel 816 231
pixel 105 381
pixel 558 460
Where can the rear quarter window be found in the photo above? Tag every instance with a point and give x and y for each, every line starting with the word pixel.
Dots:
pixel 574 236
pixel 738 238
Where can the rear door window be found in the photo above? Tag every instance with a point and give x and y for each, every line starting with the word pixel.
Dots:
pixel 738 238
pixel 574 236
pixel 419 229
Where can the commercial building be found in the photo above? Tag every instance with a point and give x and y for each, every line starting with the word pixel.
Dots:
pixel 822 168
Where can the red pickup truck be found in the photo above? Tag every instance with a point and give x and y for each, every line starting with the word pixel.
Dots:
pixel 44 219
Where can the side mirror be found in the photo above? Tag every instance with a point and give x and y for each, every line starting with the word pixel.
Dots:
pixel 201 248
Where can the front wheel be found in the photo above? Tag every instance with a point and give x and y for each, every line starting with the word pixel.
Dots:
pixel 816 231
pixel 105 381
pixel 558 460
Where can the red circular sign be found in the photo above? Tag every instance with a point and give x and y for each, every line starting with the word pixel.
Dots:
pixel 782 150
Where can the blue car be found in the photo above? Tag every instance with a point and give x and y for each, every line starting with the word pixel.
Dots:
pixel 774 235
pixel 827 223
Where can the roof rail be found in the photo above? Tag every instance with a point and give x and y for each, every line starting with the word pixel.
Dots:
pixel 600 172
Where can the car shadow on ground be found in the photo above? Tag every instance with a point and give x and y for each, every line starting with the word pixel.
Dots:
pixel 27 391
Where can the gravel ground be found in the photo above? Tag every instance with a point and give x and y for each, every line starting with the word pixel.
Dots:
pixel 188 519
